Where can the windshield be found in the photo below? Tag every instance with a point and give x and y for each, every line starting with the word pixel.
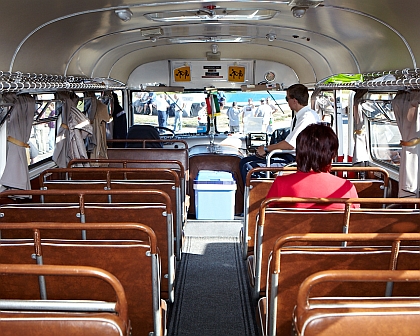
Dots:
pixel 145 108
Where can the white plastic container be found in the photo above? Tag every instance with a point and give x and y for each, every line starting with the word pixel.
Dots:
pixel 214 195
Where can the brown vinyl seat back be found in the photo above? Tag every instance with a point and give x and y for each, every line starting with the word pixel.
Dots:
pixel 164 179
pixel 275 222
pixel 354 315
pixel 175 165
pixel 134 262
pixel 142 143
pixel 386 220
pixel 52 324
pixel 170 155
pixel 153 215
pixel 39 212
pixel 156 215
pixel 22 317
pixel 292 262
pixel 153 154
pixel 75 185
pixel 226 158
pixel 370 182
pixel 18 251
pixel 254 193
pixel 102 179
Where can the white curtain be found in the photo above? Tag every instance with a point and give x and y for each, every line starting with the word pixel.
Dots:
pixel 16 174
pixel 61 142
pixel 360 150
pixel 314 97
pixel 79 128
pixel 99 117
pixel 99 150
pixel 406 109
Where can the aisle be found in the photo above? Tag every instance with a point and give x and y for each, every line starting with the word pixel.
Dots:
pixel 212 294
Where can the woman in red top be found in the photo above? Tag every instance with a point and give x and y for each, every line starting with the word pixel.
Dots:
pixel 316 147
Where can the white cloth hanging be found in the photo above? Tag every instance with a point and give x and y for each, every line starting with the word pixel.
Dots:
pixel 406 109
pixel 74 128
pixel 360 150
pixel 16 174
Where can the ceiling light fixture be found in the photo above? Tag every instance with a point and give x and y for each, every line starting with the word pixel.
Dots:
pixel 271 37
pixel 298 12
pixel 124 14
pixel 210 39
pixel 153 31
pixel 210 13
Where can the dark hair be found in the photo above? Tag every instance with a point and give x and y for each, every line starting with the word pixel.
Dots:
pixel 316 147
pixel 300 93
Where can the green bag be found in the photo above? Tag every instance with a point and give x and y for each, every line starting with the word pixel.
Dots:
pixel 344 78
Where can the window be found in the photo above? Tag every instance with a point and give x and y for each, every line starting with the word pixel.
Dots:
pixel 42 138
pixel 383 129
pixel 47 120
pixel 144 106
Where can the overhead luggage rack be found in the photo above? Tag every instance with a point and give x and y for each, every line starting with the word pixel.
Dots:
pixel 385 80
pixel 18 81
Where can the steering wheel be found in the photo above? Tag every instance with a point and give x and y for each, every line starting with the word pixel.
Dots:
pixel 167 132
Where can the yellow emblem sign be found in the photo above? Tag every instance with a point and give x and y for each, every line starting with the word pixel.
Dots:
pixel 236 74
pixel 182 74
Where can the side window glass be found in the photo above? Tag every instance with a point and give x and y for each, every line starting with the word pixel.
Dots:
pixel 383 129
pixel 42 138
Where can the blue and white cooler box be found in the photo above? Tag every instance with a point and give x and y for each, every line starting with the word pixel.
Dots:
pixel 214 195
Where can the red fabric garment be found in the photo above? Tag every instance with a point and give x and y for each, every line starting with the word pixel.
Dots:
pixel 319 185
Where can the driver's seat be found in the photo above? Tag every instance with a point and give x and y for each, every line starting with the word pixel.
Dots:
pixel 143 132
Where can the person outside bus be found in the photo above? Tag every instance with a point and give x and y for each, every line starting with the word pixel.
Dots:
pixel 179 109
pixel 162 110
pixel 202 115
pixel 233 115
pixel 151 103
pixel 247 112
pixel 221 98
pixel 263 111
pixel 140 102
pixel 41 135
pixel 297 96
pixel 274 108
pixel 316 147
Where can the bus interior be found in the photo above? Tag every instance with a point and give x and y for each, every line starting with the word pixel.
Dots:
pixel 122 128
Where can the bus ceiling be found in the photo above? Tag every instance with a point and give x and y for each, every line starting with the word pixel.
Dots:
pixel 282 42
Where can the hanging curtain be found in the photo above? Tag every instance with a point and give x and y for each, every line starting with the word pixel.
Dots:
pixel 360 150
pixel 75 127
pixel 79 128
pixel 314 96
pixel 90 102
pixel 405 106
pixel 16 174
pixel 101 117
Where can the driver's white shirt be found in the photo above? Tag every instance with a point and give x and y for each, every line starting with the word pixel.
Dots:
pixel 304 117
